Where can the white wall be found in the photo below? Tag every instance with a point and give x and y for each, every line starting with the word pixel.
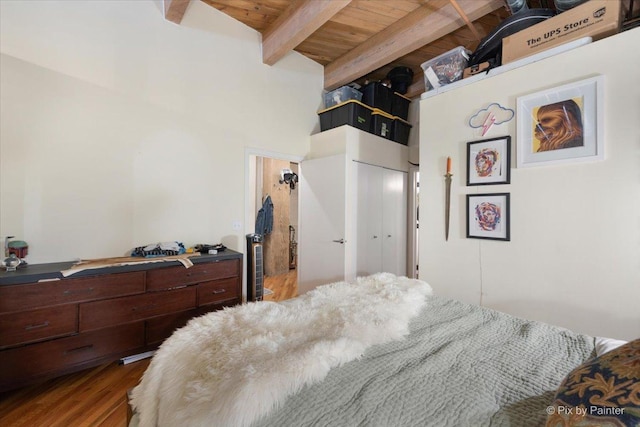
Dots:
pixel 119 128
pixel 574 255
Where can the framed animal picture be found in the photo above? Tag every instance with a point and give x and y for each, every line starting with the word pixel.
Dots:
pixel 561 125
pixel 488 216
pixel 489 161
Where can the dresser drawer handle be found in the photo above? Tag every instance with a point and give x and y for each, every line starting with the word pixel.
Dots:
pixel 41 325
pixel 144 307
pixel 219 291
pixel 84 347
pixel 189 274
pixel 79 291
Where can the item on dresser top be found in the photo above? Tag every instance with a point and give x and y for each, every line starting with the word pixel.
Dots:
pixel 209 249
pixel 92 264
pixel 11 262
pixel 159 249
pixel 18 247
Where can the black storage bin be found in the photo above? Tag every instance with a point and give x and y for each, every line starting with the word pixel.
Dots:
pixel 400 106
pixel 352 113
pixel 377 95
pixel 400 131
pixel 381 123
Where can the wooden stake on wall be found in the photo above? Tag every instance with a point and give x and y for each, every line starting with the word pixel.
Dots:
pixel 276 244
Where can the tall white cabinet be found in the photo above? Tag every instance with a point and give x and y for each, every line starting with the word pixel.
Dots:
pixel 381 220
pixel 353 207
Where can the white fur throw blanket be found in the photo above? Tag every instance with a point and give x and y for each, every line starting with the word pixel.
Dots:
pixel 230 367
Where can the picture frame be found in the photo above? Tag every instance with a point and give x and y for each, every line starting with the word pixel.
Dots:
pixel 489 161
pixel 488 216
pixel 561 125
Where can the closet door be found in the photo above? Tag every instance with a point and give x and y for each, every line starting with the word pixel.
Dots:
pixel 323 239
pixel 394 222
pixel 369 219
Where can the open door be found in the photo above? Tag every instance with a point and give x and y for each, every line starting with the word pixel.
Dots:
pixel 322 244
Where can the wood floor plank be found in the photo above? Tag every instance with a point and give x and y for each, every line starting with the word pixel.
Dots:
pixel 94 397
pixel 283 286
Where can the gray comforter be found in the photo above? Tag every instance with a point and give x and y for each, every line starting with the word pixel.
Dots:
pixel 461 365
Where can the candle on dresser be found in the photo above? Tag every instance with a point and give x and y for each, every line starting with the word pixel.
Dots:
pixel 448 164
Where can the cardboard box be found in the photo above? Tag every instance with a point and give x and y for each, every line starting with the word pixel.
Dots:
pixel 475 69
pixel 595 18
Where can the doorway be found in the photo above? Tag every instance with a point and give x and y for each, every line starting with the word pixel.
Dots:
pixel 273 180
pixel 413 221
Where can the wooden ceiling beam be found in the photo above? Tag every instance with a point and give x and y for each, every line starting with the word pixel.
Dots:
pixel 174 10
pixel 466 19
pixel 420 27
pixel 296 23
pixel 415 89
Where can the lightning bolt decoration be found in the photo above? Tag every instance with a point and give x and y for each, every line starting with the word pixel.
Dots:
pixel 488 122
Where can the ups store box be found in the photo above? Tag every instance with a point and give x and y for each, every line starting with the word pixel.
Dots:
pixel 596 19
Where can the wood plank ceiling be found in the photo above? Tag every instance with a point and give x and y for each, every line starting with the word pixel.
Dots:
pixel 361 40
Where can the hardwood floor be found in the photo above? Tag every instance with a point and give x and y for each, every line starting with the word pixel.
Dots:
pixel 283 286
pixel 93 397
pixel 97 396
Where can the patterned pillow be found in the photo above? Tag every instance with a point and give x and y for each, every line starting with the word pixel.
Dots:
pixel 604 391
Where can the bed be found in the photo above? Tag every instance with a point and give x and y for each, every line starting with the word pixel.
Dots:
pixel 382 351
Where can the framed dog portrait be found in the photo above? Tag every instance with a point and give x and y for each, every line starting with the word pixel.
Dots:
pixel 489 161
pixel 561 125
pixel 488 216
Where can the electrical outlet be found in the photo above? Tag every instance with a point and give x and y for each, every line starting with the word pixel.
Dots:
pixel 237 225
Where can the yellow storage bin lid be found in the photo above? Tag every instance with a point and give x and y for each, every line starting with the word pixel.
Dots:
pixel 382 113
pixel 345 103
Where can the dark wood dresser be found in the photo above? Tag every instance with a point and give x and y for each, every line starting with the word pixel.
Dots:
pixel 50 325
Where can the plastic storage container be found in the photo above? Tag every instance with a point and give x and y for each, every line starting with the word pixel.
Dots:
pixel 377 95
pixel 446 68
pixel 381 123
pixel 400 106
pixel 400 131
pixel 340 95
pixel 353 113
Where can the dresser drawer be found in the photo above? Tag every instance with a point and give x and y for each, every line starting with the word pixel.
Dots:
pixel 38 324
pixel 174 277
pixel 63 291
pixel 161 328
pixel 41 359
pixel 217 291
pixel 117 311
